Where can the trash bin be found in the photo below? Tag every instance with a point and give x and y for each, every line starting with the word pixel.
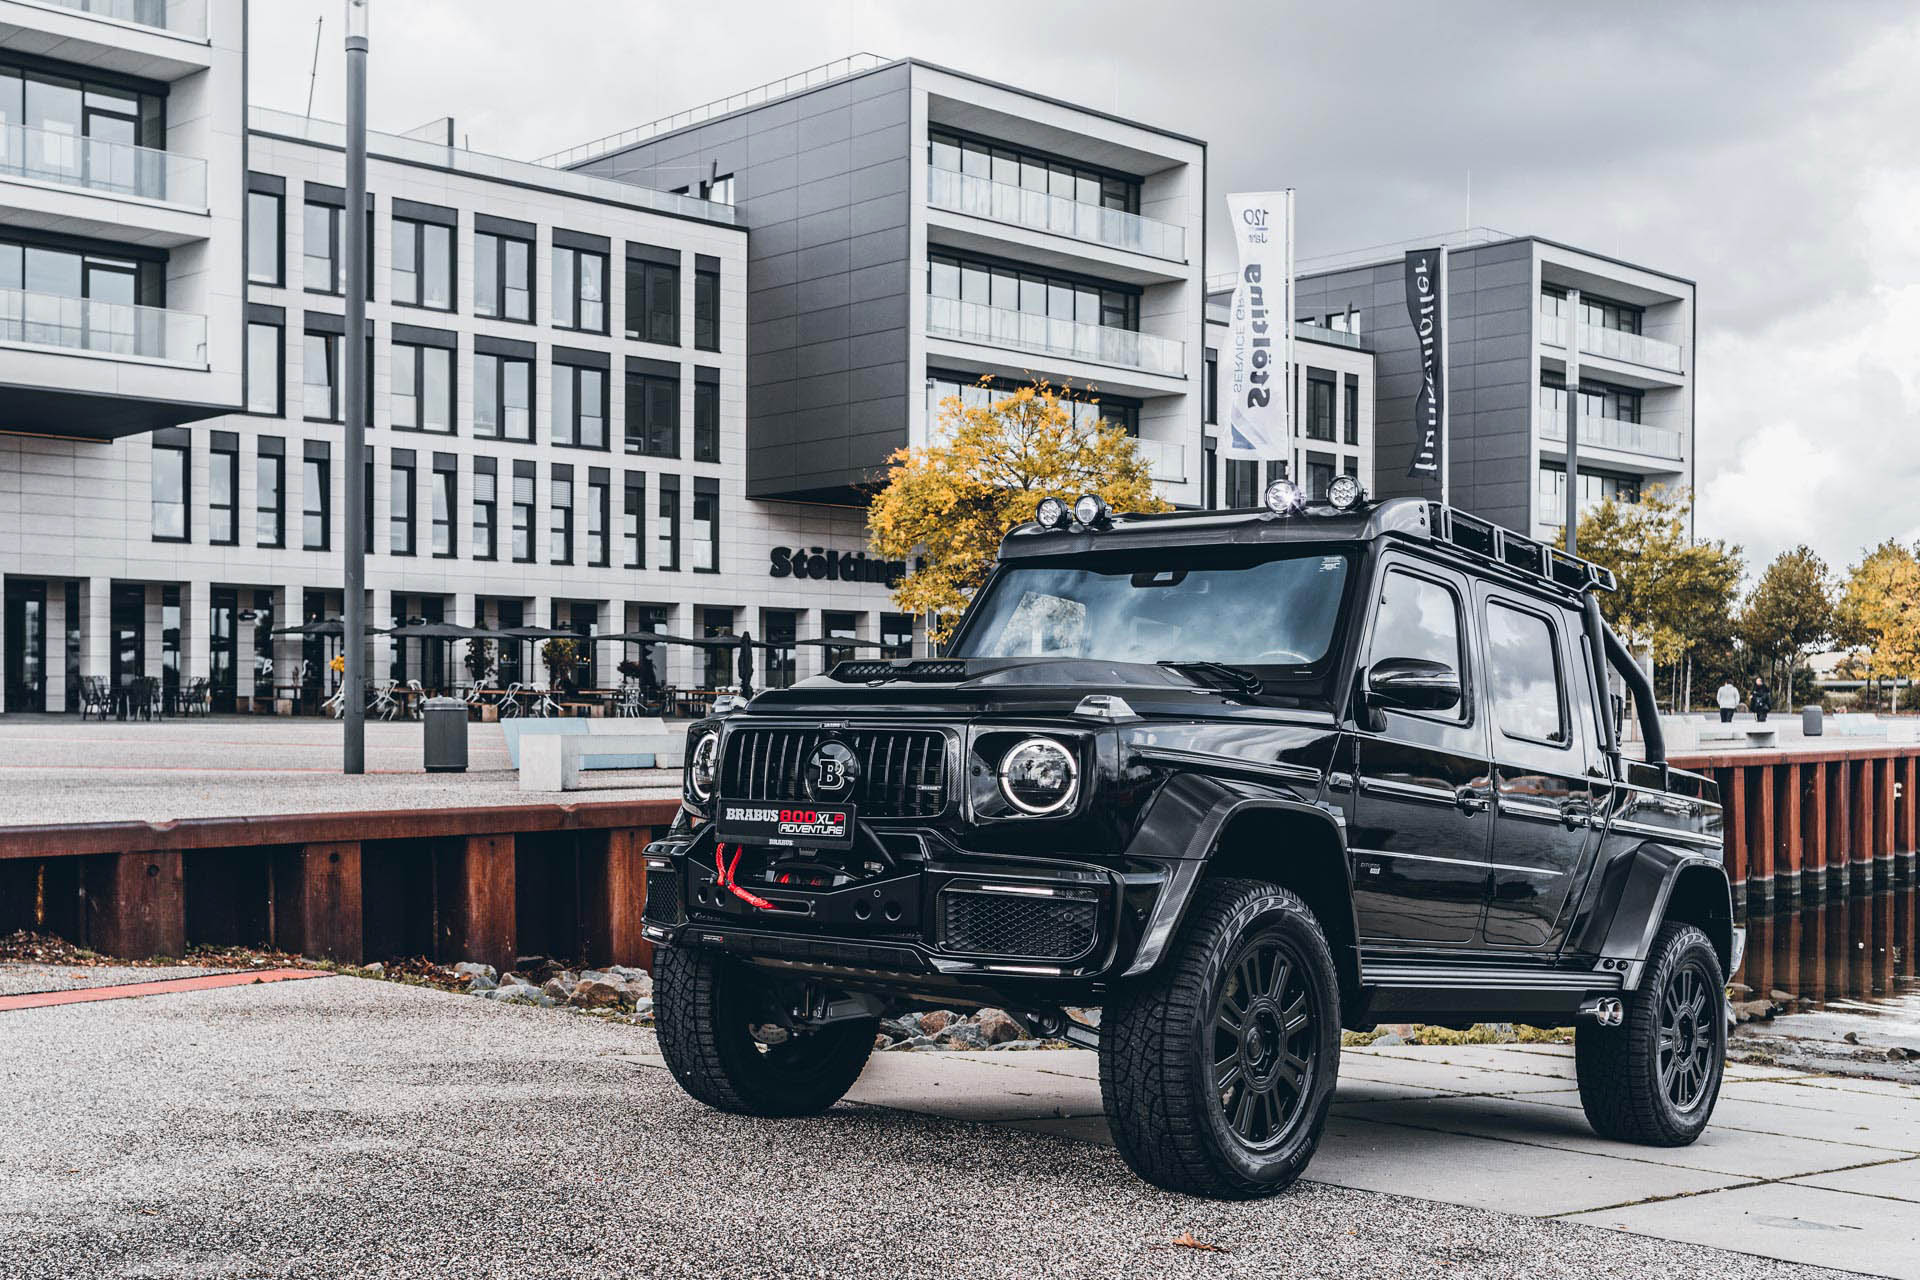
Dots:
pixel 446 726
pixel 1810 723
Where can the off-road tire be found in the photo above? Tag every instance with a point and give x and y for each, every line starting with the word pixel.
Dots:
pixel 1157 1032
pixel 704 1005
pixel 1621 1086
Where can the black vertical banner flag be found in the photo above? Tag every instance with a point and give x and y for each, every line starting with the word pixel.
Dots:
pixel 1423 308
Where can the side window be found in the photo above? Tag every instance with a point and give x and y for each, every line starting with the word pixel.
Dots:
pixel 1523 676
pixel 1419 618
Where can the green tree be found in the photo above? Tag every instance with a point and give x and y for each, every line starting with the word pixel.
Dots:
pixel 1789 615
pixel 946 507
pixel 1676 594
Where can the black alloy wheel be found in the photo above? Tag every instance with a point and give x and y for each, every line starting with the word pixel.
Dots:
pixel 1264 1052
pixel 1689 1004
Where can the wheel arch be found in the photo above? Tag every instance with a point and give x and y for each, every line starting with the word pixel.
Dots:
pixel 1662 883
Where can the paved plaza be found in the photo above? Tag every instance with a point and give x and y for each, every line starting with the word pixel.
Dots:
pixel 343 1126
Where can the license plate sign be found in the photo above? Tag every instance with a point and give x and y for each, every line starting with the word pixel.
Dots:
pixel 812 826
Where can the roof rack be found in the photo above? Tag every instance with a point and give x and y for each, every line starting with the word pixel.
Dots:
pixel 1515 552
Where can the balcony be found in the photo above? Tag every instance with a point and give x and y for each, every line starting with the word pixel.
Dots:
pixel 1167 461
pixel 103 328
pixel 178 17
pixel 1040 211
pixel 96 164
pixel 1610 433
pixel 1613 344
pixel 1073 340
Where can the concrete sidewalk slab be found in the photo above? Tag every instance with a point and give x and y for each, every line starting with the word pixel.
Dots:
pixel 1895 1180
pixel 1895 1132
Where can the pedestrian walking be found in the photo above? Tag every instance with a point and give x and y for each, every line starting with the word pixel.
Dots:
pixel 1760 701
pixel 1728 699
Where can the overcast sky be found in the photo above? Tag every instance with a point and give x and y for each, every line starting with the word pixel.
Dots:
pixel 1768 152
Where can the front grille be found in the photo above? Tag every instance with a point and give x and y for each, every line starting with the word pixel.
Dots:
pixel 977 922
pixel 903 772
pixel 663 896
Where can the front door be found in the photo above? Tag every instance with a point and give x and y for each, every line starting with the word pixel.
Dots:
pixel 1545 767
pixel 26 646
pixel 1422 811
pixel 223 631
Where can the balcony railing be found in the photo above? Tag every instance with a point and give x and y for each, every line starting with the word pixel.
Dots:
pixel 1611 433
pixel 110 328
pixel 1167 461
pixel 1042 211
pixel 1020 331
pixel 1613 344
pixel 181 17
pixel 97 164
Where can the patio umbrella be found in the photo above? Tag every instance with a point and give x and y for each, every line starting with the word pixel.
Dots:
pixel 333 628
pixel 446 632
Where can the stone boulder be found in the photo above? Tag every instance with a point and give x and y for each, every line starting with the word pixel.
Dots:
pixel 999 1026
pixel 597 992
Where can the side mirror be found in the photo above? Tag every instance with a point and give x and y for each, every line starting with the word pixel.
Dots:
pixel 1413 684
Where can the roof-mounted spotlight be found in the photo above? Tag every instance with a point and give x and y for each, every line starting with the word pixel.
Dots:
pixel 1090 509
pixel 1344 493
pixel 1283 498
pixel 1052 513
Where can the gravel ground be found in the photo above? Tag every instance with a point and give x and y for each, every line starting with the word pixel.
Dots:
pixel 20 979
pixel 343 1127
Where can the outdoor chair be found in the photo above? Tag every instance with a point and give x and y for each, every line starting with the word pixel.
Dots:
pixel 95 697
pixel 384 704
pixel 197 699
pixel 416 701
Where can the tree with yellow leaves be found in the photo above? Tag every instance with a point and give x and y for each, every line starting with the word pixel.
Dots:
pixel 947 506
pixel 1880 610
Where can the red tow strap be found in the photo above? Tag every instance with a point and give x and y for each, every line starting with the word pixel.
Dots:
pixel 725 871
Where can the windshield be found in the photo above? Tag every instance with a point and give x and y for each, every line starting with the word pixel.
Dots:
pixel 1251 609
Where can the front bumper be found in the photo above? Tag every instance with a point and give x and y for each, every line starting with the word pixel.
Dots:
pixel 947 918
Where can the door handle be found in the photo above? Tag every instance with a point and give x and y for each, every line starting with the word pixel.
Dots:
pixel 1575 813
pixel 1473 799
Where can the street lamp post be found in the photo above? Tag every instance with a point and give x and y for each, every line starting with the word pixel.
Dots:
pixel 354 694
pixel 1573 422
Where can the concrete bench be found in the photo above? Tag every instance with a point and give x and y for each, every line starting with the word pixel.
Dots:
pixel 520 728
pixel 1760 737
pixel 555 761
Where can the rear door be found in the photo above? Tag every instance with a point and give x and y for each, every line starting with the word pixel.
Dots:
pixel 1544 767
pixel 1422 808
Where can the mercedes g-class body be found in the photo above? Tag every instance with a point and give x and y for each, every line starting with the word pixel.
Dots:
pixel 1236 779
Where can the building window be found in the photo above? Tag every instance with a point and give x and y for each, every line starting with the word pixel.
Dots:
pixel 579 406
pixel 1319 474
pixel 316 484
pixel 169 490
pixel 502 277
pixel 706 415
pixel 322 376
pixel 486 510
pixel 636 520
pixel 1596 487
pixel 502 397
pixel 669 522
pixel 266 238
pixel 266 369
pixel 1350 410
pixel 560 497
pixel 973 393
pixel 322 268
pixel 400 503
pixel 422 264
pixel 896 635
pixel 1210 389
pixel 445 485
pixel 706 305
pixel 1038 296
pixel 653 413
pixel 653 295
pixel 1320 401
pixel 579 289
pixel 270 494
pixel 223 487
pixel 839 626
pixel 1243 483
pixel 598 513
pixel 706 526
pixel 1012 167
pixel 523 500
pixel 422 383
pixel 779 629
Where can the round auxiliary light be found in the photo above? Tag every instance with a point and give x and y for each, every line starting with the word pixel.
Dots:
pixel 1284 498
pixel 1345 493
pixel 1052 513
pixel 1090 509
pixel 1039 777
pixel 703 765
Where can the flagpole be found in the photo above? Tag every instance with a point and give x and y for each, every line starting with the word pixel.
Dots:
pixel 1296 474
pixel 1446 387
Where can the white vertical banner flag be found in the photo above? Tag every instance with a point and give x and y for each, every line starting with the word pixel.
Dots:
pixel 1255 362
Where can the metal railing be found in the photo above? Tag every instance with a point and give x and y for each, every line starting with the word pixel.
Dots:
pixel 1043 211
pixel 181 17
pixel 1613 344
pixel 759 95
pixel 1021 331
pixel 97 164
pixel 460 160
pixel 1611 433
pixel 110 328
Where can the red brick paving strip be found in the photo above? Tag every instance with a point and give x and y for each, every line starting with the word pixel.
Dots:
pixel 165 986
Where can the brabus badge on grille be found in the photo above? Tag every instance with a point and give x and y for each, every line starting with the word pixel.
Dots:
pixel 832 771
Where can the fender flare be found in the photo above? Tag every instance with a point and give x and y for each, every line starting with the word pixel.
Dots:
pixel 1183 826
pixel 1641 886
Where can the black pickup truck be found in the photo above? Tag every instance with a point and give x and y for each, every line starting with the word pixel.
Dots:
pixel 1238 779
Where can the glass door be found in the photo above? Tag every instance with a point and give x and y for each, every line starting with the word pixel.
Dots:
pixel 223 631
pixel 129 622
pixel 26 646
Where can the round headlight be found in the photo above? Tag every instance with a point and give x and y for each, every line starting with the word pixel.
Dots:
pixel 1344 492
pixel 1090 509
pixel 1051 513
pixel 703 765
pixel 1283 498
pixel 1039 776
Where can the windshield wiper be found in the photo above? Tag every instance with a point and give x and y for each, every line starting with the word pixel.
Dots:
pixel 1221 675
